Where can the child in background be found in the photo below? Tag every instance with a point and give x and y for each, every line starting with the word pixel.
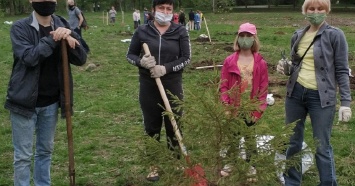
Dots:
pixel 197 20
pixel 112 13
pixel 245 73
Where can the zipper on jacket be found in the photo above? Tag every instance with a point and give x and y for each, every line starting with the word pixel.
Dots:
pixel 159 42
pixel 160 35
pixel 159 48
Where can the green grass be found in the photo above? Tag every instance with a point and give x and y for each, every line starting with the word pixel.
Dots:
pixel 107 124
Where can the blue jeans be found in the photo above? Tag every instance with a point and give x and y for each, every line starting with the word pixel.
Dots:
pixel 43 122
pixel 304 101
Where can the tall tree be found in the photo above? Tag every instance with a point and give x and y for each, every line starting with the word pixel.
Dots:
pixel 12 6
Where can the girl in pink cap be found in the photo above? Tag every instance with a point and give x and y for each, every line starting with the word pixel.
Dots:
pixel 244 77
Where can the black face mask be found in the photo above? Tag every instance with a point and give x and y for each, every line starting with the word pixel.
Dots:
pixel 45 8
pixel 71 7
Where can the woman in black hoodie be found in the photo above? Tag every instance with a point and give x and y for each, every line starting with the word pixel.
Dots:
pixel 170 50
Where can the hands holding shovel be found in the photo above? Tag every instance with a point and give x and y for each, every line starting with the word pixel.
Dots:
pixel 64 33
pixel 149 62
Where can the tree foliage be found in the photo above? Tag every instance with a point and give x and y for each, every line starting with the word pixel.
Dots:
pixel 12 7
pixel 214 139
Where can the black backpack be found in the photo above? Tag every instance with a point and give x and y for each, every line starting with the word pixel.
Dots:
pixel 84 24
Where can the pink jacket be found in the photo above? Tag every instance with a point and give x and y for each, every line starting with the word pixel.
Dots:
pixel 230 77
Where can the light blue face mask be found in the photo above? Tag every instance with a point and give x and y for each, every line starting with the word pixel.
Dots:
pixel 316 18
pixel 163 19
pixel 245 43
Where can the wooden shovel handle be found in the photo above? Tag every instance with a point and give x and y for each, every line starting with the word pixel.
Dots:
pixel 67 101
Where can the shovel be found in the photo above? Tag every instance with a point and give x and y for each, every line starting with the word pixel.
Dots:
pixel 68 112
pixel 196 172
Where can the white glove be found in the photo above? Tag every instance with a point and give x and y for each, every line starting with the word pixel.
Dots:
pixel 344 114
pixel 284 67
pixel 148 61
pixel 157 71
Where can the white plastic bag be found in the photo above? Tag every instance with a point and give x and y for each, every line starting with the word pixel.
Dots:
pixel 307 161
pixel 270 99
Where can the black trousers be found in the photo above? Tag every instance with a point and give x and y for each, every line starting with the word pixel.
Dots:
pixel 152 106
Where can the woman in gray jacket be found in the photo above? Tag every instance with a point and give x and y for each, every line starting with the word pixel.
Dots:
pixel 319 66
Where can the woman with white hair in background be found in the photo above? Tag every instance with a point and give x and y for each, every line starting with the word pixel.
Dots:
pixel 75 21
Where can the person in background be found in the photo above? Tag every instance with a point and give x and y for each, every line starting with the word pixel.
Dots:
pixel 175 18
pixel 182 17
pixel 318 68
pixel 35 90
pixel 75 21
pixel 202 18
pixel 245 75
pixel 145 15
pixel 112 14
pixel 197 20
pixel 139 17
pixel 136 18
pixel 170 49
pixel 191 20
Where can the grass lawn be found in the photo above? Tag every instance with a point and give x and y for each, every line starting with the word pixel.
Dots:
pixel 107 124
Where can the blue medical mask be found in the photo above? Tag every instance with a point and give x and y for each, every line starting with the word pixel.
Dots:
pixel 163 19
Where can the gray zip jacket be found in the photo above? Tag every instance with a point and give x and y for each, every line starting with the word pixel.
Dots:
pixel 331 65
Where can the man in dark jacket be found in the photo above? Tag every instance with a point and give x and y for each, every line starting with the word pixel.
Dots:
pixel 191 20
pixel 35 90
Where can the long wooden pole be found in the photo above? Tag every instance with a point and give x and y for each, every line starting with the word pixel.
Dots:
pixel 68 112
pixel 208 32
pixel 107 18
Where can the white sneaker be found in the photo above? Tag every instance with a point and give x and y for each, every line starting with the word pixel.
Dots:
pixel 252 175
pixel 226 171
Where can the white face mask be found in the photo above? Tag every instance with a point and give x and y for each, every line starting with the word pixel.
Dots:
pixel 163 19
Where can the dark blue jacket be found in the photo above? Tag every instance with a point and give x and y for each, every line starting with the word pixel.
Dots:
pixel 28 52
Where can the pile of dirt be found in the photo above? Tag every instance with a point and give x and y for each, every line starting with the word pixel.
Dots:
pixel 228 49
pixel 201 39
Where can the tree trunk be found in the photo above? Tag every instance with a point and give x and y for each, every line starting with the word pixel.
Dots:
pixel 12 7
pixel 213 8
pixel 180 4
pixel 294 4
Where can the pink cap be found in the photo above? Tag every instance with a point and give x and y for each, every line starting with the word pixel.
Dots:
pixel 247 27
